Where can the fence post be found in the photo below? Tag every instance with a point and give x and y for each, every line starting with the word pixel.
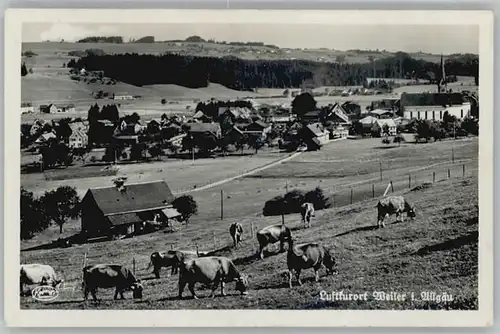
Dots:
pixel 433 177
pixel 392 187
pixel 380 163
pixel 221 204
pixel 409 180
pixel 373 190
pixel 215 240
pixel 449 173
pixel 351 195
pixel 463 170
pixel 133 265
pixel 251 227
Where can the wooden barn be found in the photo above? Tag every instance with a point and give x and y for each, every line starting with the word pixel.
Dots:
pixel 122 210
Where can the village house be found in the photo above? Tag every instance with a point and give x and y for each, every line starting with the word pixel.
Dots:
pixel 378 127
pixel 45 138
pixel 199 116
pixel 382 113
pixel 338 132
pixel 312 116
pixel 336 115
pixel 122 97
pixel 259 127
pixel 314 136
pixel 48 108
pixel 27 108
pixel 122 210
pixel 65 108
pixel 78 139
pixel 235 113
pixel 202 129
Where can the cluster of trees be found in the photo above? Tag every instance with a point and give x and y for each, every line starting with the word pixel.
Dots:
pixel 102 39
pixel 240 74
pixel 107 112
pixel 53 207
pixel 291 202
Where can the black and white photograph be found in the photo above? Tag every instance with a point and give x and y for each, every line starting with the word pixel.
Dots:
pixel 251 164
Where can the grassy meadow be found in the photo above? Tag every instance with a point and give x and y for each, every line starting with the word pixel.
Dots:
pixel 414 256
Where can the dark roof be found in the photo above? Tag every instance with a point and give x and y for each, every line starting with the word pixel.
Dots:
pixel 316 129
pixel 261 123
pixel 135 197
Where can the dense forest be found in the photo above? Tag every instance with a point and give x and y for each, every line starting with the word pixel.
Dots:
pixel 240 74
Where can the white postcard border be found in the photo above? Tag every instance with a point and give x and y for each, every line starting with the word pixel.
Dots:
pixel 16 317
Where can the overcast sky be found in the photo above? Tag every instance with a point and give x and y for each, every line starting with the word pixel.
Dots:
pixel 410 38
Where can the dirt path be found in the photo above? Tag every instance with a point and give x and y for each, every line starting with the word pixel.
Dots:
pixel 253 171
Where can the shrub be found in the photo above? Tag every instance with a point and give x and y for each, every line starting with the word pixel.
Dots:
pixel 292 201
pixel 386 141
pixel 163 101
pixel 318 199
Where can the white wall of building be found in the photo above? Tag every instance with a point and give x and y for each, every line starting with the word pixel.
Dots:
pixel 436 112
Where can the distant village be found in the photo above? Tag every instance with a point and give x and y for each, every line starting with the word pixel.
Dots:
pixel 223 127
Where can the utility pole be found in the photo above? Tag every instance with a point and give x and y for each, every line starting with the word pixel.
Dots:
pixel 221 204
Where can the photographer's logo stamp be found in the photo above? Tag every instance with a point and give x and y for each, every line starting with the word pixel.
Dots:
pixel 45 293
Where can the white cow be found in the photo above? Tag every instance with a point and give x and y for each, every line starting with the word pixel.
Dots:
pixel 41 274
pixel 307 211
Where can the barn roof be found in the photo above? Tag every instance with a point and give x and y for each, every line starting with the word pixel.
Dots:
pixel 134 198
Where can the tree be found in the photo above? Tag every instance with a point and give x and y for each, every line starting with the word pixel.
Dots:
pixel 186 206
pixel 24 71
pixel 470 125
pixel 385 129
pixel 33 219
pixel 256 142
pixel 163 101
pixel 61 204
pixel 63 130
pixel 302 104
pixel 317 198
pixel 137 151
pixel 155 151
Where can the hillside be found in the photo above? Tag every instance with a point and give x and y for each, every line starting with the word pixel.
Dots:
pixel 437 252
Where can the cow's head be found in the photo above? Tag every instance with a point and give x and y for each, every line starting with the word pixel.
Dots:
pixel 242 284
pixel 137 289
pixel 411 212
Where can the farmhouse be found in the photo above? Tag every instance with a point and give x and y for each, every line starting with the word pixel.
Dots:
pixel 337 115
pixel 379 124
pixel 122 210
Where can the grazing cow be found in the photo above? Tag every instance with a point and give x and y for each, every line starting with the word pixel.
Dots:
pixel 211 270
pixel 307 211
pixel 308 255
pixel 272 234
pixel 41 274
pixel 107 276
pixel 172 259
pixel 236 230
pixel 393 205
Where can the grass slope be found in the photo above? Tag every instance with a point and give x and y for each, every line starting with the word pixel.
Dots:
pixel 437 252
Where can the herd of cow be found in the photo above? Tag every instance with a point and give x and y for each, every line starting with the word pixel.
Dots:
pixel 195 267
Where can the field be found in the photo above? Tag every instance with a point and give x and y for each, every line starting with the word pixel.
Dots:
pixel 437 252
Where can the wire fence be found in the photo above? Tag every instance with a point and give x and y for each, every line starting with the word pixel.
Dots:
pixel 361 192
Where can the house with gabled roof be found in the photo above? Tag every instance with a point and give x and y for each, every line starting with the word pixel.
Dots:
pixel 121 210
